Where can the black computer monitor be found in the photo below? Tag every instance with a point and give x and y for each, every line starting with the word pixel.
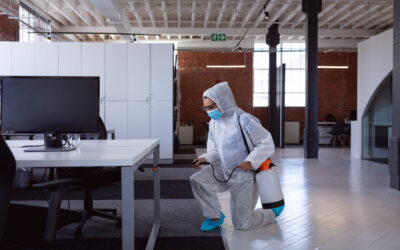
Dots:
pixel 49 105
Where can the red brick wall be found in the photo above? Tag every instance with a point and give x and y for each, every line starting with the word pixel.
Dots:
pixel 8 29
pixel 337 88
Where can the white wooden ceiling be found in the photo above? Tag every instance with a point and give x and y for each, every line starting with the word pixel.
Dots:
pixel 342 23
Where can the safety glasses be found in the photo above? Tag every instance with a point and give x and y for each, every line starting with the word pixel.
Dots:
pixel 210 107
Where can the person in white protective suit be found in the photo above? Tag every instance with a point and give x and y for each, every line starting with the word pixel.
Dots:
pixel 225 151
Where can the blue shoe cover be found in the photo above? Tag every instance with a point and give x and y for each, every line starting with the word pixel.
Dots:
pixel 209 225
pixel 278 210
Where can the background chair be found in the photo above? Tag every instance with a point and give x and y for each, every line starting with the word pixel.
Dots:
pixel 336 132
pixel 330 118
pixel 91 179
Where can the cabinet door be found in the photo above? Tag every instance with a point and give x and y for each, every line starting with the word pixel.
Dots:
pixel 138 120
pixel 116 118
pixel 23 59
pixel 162 57
pixel 138 71
pixel 70 59
pixel 5 58
pixel 161 127
pixel 93 65
pixel 116 74
pixel 46 59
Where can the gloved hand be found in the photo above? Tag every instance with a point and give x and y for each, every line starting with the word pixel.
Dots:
pixel 197 162
pixel 246 166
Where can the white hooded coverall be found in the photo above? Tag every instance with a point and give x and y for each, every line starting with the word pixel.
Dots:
pixel 226 150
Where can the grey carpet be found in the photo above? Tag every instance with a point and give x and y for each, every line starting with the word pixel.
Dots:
pixel 170 189
pixel 179 218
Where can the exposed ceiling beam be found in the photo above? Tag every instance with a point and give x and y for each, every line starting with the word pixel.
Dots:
pixel 150 12
pixel 373 16
pixel 249 44
pixel 348 14
pixel 358 17
pixel 73 5
pixel 95 14
pixel 235 13
pixel 290 15
pixel 335 13
pixel 386 22
pixel 56 18
pixel 135 13
pixel 207 16
pixel 165 16
pixel 178 10
pixel 277 15
pixel 321 15
pixel 68 14
pixel 251 13
pixel 221 14
pixel 261 18
pixel 227 31
pixel 193 13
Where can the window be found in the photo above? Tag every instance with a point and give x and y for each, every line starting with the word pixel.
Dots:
pixel 293 55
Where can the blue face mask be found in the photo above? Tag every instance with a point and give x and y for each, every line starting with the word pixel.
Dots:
pixel 214 114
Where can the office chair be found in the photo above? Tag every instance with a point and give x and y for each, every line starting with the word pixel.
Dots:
pixel 7 173
pixel 91 179
pixel 336 132
pixel 17 220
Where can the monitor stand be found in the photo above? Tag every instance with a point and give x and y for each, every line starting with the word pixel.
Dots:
pixel 52 143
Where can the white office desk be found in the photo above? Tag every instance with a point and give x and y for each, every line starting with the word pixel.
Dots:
pixel 127 154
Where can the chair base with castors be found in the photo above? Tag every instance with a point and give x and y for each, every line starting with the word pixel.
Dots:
pixel 89 212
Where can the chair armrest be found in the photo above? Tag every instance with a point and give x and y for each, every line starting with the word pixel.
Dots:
pixel 56 183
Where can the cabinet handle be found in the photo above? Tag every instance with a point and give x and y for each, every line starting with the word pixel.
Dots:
pixel 148 100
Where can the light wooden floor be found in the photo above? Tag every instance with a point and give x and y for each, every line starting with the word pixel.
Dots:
pixel 335 202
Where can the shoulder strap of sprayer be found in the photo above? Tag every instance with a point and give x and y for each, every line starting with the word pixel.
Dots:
pixel 244 137
pixel 248 149
pixel 247 145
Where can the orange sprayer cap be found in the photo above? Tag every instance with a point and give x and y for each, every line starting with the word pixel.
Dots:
pixel 265 165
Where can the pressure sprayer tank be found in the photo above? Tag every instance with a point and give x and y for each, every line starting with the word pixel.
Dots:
pixel 269 186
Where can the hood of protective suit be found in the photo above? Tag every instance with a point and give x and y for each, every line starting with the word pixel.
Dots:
pixel 222 95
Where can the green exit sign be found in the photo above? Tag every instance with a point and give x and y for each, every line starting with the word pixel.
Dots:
pixel 218 37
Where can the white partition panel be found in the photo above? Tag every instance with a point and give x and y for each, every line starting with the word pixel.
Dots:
pixel 5 59
pixel 116 118
pixel 138 120
pixel 93 62
pixel 116 73
pixel 23 59
pixel 70 59
pixel 161 127
pixel 138 71
pixel 162 58
pixel 46 59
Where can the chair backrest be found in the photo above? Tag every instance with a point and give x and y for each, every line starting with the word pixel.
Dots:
pixel 101 128
pixel 338 128
pixel 7 173
pixel 101 133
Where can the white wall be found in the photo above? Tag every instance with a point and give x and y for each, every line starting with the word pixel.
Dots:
pixel 375 61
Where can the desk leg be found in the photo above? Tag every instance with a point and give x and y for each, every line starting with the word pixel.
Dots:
pixel 156 220
pixel 127 190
